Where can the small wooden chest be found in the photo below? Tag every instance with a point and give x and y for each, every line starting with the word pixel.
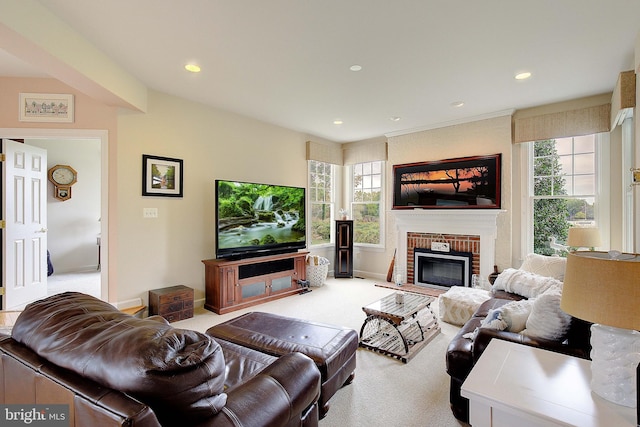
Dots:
pixel 173 303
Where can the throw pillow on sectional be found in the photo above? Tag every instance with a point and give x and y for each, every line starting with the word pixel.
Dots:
pixel 524 283
pixel 548 266
pixel 510 317
pixel 547 320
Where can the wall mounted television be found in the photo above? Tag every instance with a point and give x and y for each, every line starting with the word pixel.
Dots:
pixel 258 219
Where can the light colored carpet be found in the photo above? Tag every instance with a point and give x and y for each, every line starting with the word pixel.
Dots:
pixel 87 282
pixel 385 392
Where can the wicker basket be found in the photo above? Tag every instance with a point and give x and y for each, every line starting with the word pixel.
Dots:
pixel 317 270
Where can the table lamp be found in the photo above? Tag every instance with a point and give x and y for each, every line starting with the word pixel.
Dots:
pixel 583 237
pixel 604 288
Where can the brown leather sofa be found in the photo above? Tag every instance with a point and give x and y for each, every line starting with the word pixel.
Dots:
pixel 462 353
pixel 112 369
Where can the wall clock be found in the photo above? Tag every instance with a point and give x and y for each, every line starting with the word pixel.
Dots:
pixel 62 177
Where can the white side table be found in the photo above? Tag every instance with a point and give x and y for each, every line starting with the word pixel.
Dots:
pixel 517 385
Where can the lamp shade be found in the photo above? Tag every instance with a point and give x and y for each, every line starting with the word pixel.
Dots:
pixel 603 290
pixel 587 237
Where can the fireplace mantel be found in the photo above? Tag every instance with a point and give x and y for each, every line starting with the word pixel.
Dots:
pixel 480 222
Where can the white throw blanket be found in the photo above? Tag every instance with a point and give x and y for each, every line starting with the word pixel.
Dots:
pixel 524 283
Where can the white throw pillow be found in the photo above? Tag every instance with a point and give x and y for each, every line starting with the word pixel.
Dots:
pixel 494 320
pixel 510 317
pixel 524 283
pixel 548 266
pixel 547 320
pixel 516 313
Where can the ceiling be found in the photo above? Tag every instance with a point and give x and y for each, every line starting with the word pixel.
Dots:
pixel 287 62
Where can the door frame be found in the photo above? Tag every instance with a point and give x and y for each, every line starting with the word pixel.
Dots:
pixel 103 136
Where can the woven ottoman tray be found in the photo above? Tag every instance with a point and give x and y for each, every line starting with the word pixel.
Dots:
pixel 332 348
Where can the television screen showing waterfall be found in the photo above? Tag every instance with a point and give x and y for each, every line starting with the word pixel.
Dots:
pixel 258 219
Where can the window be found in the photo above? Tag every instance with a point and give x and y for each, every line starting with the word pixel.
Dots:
pixel 366 202
pixel 321 199
pixel 563 189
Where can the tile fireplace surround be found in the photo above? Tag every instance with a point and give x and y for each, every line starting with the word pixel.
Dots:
pixel 472 230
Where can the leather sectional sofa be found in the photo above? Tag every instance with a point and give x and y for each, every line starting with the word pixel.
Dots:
pixel 463 351
pixel 112 369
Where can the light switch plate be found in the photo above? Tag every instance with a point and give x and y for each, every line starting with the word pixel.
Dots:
pixel 150 212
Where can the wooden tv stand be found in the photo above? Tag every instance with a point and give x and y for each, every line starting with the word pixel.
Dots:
pixel 234 284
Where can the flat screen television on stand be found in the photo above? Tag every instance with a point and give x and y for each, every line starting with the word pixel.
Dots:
pixel 258 219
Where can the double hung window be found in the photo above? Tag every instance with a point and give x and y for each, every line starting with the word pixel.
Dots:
pixel 563 189
pixel 321 201
pixel 366 202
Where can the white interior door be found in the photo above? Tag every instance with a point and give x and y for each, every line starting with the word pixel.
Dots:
pixel 24 238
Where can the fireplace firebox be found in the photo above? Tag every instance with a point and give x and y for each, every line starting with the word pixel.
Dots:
pixel 442 270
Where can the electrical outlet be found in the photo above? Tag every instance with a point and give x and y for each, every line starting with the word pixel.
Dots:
pixel 440 246
pixel 150 212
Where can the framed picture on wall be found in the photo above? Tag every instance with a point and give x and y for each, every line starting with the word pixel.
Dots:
pixel 45 107
pixel 161 176
pixel 460 183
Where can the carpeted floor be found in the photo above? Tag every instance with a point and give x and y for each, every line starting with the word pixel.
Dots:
pixel 87 282
pixel 385 392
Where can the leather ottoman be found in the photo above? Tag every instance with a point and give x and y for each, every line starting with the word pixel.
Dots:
pixel 332 348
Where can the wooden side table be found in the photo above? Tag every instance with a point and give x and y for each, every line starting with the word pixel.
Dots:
pixel 517 385
pixel 173 303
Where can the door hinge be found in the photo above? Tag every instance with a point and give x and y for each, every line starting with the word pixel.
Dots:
pixel 3 157
pixel 1 290
pixel 3 224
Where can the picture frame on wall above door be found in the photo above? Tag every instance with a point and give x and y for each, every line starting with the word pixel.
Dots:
pixel 161 176
pixel 46 107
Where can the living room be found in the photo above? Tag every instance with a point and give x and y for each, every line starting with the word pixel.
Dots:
pixel 141 254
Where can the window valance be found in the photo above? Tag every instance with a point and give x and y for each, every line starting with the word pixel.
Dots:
pixel 572 118
pixel 324 153
pixel 365 152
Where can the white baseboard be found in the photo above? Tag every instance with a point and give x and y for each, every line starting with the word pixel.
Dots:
pixel 128 303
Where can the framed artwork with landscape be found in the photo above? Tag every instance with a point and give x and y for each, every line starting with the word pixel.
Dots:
pixel 161 176
pixel 460 183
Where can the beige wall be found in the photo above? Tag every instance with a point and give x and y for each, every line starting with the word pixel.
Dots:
pixel 166 251
pixel 490 136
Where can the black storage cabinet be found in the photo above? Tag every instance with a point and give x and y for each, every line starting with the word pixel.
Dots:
pixel 344 249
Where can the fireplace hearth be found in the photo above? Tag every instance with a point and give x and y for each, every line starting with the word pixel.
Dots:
pixel 471 230
pixel 442 270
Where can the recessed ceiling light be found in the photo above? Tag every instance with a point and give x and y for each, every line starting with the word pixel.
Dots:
pixel 355 67
pixel 523 76
pixel 337 122
pixel 457 104
pixel 394 119
pixel 192 67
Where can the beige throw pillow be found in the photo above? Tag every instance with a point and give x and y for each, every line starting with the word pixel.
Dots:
pixel 548 266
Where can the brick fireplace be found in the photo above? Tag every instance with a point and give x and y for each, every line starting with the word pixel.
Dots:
pixel 466 230
pixel 457 243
